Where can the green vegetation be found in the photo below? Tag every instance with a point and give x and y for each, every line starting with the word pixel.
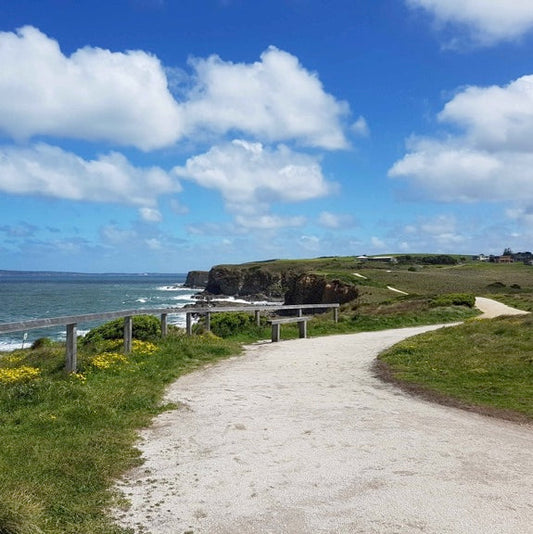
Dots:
pixel 144 327
pixel 66 438
pixel 486 365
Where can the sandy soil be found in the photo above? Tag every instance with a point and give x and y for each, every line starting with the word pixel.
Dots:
pixel 301 437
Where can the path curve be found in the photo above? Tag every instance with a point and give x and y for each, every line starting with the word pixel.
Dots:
pixel 492 308
pixel 299 437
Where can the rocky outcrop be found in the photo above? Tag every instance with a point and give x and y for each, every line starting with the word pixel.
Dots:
pixel 196 279
pixel 251 283
pixel 312 289
pixel 290 286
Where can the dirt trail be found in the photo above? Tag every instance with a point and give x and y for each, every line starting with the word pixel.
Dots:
pixel 492 308
pixel 299 437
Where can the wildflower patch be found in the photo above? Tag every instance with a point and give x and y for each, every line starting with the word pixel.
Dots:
pixel 143 347
pixel 18 375
pixel 108 360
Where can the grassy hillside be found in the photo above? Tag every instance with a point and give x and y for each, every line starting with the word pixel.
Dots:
pixel 503 281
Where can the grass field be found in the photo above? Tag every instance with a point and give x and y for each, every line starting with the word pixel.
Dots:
pixel 484 365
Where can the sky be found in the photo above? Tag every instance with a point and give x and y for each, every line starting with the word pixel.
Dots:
pixel 172 135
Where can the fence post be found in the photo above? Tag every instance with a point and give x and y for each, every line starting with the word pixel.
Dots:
pixel 336 315
pixel 128 330
pixel 208 322
pixel 72 349
pixel 188 323
pixel 164 325
pixel 300 312
pixel 258 317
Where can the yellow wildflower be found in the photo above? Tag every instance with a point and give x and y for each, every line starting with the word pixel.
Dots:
pixel 143 347
pixel 19 374
pixel 106 360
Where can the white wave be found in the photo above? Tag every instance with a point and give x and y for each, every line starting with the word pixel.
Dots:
pixel 142 300
pixel 174 287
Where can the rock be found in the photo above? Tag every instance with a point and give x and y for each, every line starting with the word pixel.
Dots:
pixel 292 286
pixel 314 289
pixel 196 279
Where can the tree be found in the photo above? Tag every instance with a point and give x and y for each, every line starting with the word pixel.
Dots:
pixel 507 252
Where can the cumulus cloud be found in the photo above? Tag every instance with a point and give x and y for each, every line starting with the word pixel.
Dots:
pixel 93 94
pixel 250 176
pixel 487 22
pixel 124 98
pixel 490 159
pixel 50 171
pixel 275 99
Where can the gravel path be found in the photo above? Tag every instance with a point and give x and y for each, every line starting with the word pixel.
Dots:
pixel 492 308
pixel 300 437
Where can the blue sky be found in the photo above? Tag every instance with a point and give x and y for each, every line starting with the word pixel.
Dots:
pixel 166 135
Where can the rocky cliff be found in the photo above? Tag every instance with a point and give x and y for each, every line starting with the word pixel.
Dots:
pixel 196 279
pixel 290 285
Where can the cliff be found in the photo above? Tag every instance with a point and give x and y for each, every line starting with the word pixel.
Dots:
pixel 292 285
pixel 196 279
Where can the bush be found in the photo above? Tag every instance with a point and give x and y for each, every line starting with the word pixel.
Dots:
pixel 145 328
pixel 41 343
pixel 454 299
pixel 229 324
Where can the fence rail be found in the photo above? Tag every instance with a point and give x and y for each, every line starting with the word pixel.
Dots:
pixel 71 322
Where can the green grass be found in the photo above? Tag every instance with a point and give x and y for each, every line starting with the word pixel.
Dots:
pixel 65 439
pixel 483 364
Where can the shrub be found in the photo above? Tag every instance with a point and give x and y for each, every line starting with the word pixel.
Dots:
pixel 42 342
pixel 229 324
pixel 145 328
pixel 455 299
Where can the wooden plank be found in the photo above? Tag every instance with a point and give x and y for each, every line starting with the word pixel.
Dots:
pixel 287 320
pixel 128 330
pixel 164 325
pixel 107 316
pixel 71 362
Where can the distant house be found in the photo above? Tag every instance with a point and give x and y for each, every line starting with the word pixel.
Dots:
pixel 504 259
pixel 480 257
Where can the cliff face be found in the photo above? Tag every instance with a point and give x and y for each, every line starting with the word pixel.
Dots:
pixel 312 289
pixel 196 279
pixel 289 285
pixel 242 282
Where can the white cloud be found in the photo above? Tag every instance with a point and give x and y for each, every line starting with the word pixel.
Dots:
pixel 150 215
pixel 153 244
pixel 93 94
pixel 495 118
pixel 332 220
pixel 274 99
pixel 488 21
pixel 268 222
pixel 360 127
pixel 378 243
pixel 250 177
pixel 124 98
pixel 491 159
pixel 50 171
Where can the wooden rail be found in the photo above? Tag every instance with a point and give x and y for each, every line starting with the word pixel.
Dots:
pixel 71 322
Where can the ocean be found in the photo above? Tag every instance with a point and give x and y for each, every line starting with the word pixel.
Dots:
pixel 25 295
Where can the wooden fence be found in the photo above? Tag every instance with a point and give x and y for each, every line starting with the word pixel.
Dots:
pixel 71 322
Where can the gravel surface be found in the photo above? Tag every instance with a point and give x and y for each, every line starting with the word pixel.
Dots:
pixel 300 437
pixel 492 308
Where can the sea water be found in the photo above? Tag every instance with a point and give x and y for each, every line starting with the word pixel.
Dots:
pixel 25 296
